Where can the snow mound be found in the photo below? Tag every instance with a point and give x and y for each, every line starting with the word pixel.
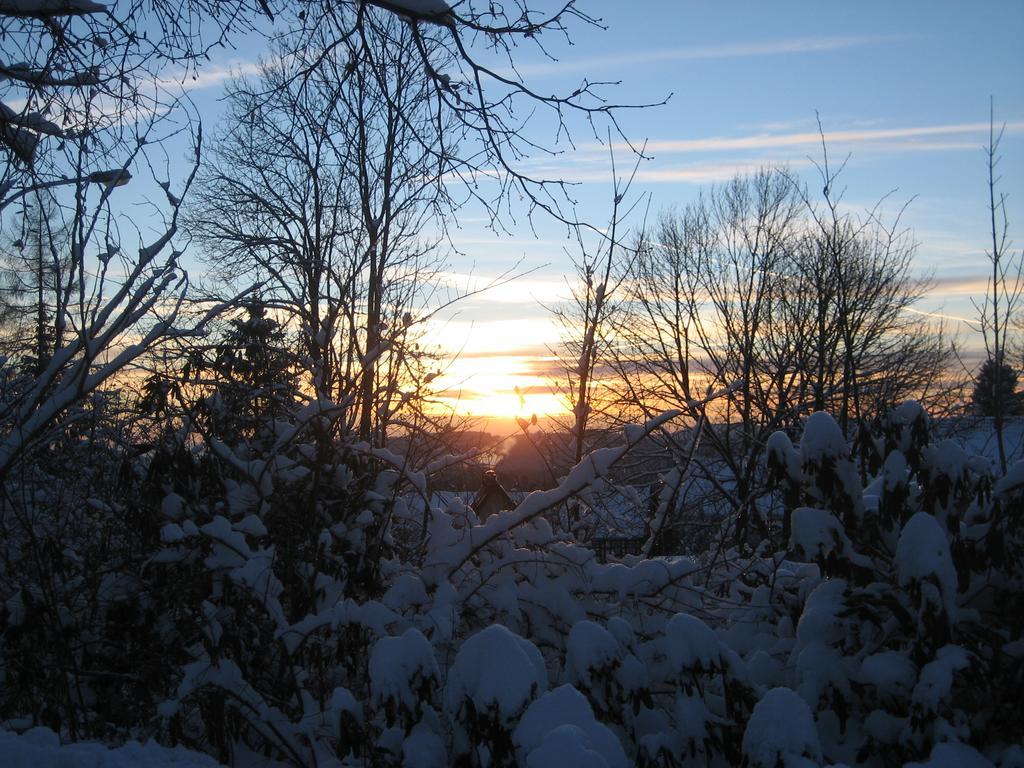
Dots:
pixel 817 533
pixel 590 647
pixel 936 681
pixel 822 438
pixel 559 730
pixel 1012 481
pixel 953 755
pixel 947 458
pixel 565 747
pixel 496 669
pixel 891 672
pixel 922 554
pixel 821 620
pixel 691 645
pixel 423 748
pixel 398 663
pixel 781 732
pixel 42 747
pixel 693 721
pixel 780 452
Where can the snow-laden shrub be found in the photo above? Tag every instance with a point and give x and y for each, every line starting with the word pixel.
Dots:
pixel 495 676
pixel 404 677
pixel 905 643
pixel 254 600
pixel 39 747
pixel 692 648
pixel 559 728
pixel 405 691
pixel 81 632
pixel 781 732
pixel 924 567
pixel 270 576
pixel 593 660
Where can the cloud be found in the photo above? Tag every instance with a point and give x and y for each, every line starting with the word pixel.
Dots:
pixel 531 353
pixel 709 173
pixel 690 173
pixel 521 290
pixel 942 316
pixel 211 76
pixel 497 337
pixel 766 149
pixel 795 45
pixel 962 285
pixel 469 393
pixel 889 139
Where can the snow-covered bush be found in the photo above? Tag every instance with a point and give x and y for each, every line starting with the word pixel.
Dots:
pixel 275 574
pixel 781 731
pixel 404 678
pixel 495 676
pixel 80 630
pixel 559 729
pixel 250 600
pixel 911 641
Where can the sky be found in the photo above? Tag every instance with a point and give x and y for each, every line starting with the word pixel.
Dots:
pixel 902 90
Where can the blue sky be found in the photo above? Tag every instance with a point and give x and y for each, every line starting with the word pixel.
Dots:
pixel 902 88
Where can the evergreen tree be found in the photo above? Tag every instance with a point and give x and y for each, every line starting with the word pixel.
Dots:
pixel 253 372
pixel 995 387
pixel 32 270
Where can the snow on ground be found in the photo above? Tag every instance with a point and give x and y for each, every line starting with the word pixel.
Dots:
pixel 977 436
pixel 953 755
pixel 40 747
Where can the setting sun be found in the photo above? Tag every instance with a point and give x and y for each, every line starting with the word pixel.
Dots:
pixel 472 387
pixel 500 369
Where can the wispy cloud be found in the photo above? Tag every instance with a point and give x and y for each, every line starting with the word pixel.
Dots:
pixel 530 353
pixel 795 45
pixel 522 290
pixel 211 76
pixel 793 149
pixel 689 173
pixel 885 138
pixel 710 173
pixel 959 285
pixel 943 316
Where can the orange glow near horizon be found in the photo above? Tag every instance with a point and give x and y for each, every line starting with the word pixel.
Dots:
pixel 486 387
pixel 490 360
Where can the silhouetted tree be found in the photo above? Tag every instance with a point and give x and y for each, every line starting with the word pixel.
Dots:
pixel 34 267
pixel 995 390
pixel 997 311
pixel 787 306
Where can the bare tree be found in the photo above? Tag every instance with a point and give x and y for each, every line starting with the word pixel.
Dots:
pixel 468 50
pixel 754 291
pixel 600 262
pixel 77 72
pixel 870 349
pixel 110 308
pixel 319 186
pixel 998 310
pixel 84 105
pixel 702 291
pixel 321 189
